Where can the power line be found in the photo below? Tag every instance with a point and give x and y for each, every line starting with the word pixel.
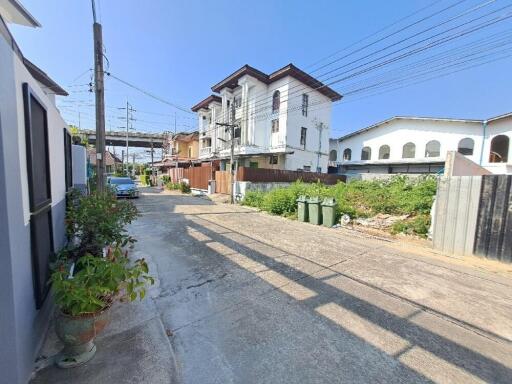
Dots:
pixel 147 93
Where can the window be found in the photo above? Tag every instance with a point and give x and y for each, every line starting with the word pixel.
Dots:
pixel 433 149
pixel 253 164
pixel 305 103
pixel 275 125
pixel 276 101
pixel 303 132
pixel 237 132
pixel 307 168
pixel 238 102
pixel 273 159
pixel 347 154
pixel 333 155
pixel 68 165
pixel 384 152
pixel 39 189
pixel 466 146
pixel 499 149
pixel 366 153
pixel 189 152
pixel 409 151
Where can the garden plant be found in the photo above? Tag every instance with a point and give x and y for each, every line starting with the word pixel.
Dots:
pixel 399 195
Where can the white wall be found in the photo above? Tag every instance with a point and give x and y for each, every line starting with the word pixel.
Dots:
pixel 28 325
pixel 398 132
pixel 256 116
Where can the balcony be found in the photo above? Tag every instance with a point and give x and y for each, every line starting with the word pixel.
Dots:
pixel 206 151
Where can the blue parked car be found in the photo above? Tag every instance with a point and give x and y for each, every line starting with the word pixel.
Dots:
pixel 123 186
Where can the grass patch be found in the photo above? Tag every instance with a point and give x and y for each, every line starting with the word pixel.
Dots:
pixel 399 195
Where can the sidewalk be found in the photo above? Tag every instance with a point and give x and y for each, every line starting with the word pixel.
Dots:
pixel 134 348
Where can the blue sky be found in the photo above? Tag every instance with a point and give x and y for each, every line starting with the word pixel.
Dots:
pixel 179 49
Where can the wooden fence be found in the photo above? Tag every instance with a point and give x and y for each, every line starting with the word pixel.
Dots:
pixel 263 175
pixel 198 176
pixel 222 182
pixel 176 174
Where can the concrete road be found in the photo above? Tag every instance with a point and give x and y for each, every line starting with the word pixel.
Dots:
pixel 252 298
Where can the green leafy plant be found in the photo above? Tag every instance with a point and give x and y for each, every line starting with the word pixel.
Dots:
pixel 98 220
pixel 98 281
pixel 399 195
pixel 172 186
pixel 253 199
pixel 184 187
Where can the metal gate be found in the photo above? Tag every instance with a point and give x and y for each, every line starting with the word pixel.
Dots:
pixel 493 237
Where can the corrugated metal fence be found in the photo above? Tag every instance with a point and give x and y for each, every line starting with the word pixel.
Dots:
pixel 456 214
pixel 473 215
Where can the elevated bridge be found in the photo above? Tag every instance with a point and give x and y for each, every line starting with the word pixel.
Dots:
pixel 135 139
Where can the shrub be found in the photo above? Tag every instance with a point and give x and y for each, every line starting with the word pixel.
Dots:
pixel 360 198
pixel 279 201
pixel 166 179
pixel 97 220
pixel 184 187
pixel 172 186
pixel 418 225
pixel 253 199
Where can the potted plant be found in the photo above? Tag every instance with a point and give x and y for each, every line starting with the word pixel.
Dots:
pixel 84 294
pixel 96 221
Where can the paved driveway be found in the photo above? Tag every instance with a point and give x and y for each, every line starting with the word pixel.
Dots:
pixel 252 298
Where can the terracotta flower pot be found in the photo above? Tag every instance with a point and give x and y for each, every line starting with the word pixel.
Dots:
pixel 78 334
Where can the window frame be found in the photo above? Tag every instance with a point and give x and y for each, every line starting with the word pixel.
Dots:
pixel 505 158
pixel 274 126
pixel 366 150
pixel 414 150
pixel 305 104
pixel 349 152
pixel 68 160
pixel 303 137
pixel 433 142
pixel 276 101
pixel 472 146
pixel 388 153
pixel 28 94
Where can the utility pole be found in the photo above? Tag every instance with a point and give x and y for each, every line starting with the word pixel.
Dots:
pixel 100 102
pixel 174 141
pixel 129 118
pixel 231 126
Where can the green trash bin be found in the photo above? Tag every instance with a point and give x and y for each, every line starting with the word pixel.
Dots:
pixel 302 208
pixel 329 212
pixel 315 213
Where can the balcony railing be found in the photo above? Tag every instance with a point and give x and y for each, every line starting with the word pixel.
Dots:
pixel 205 151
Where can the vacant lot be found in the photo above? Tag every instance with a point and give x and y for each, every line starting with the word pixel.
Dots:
pixel 253 298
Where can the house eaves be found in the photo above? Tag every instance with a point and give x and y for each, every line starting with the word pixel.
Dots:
pixel 505 115
pixel 13 12
pixel 413 118
pixel 38 74
pixel 291 70
pixel 206 102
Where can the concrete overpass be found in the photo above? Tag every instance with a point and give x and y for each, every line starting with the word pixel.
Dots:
pixel 135 139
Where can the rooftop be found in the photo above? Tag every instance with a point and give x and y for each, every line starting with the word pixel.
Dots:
pixel 447 119
pixel 288 70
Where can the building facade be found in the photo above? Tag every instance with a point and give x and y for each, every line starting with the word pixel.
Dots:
pixel 419 145
pixel 35 175
pixel 281 120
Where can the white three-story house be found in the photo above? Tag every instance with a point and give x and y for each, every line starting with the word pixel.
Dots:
pixel 281 120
